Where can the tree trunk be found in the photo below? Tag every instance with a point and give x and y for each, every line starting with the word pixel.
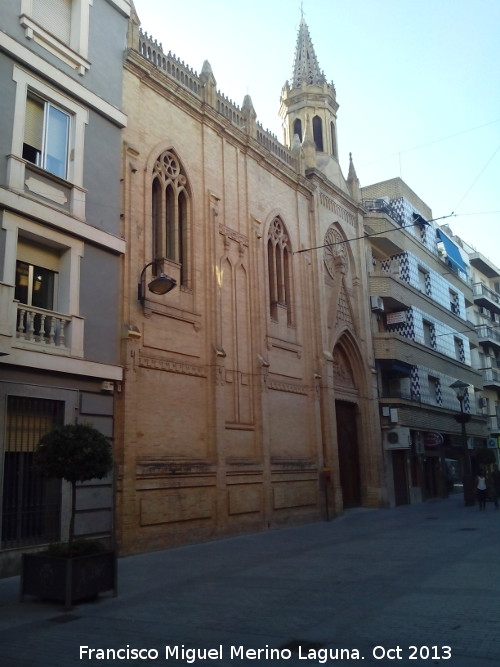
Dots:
pixel 72 519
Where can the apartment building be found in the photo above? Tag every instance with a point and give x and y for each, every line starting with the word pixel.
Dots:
pixel 60 252
pixel 485 314
pixel 420 295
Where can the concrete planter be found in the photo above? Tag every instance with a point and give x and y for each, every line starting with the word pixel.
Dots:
pixel 68 580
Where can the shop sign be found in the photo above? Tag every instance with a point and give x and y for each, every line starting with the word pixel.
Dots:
pixel 433 439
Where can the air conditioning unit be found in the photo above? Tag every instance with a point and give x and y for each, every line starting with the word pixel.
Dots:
pixel 377 303
pixel 397 438
pixel 107 387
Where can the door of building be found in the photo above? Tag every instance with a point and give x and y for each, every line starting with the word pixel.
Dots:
pixel 347 438
pixel 399 471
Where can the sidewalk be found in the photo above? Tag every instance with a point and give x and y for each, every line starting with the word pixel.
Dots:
pixel 360 589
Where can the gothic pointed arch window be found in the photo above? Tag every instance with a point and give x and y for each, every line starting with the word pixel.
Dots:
pixel 318 133
pixel 171 214
pixel 297 128
pixel 279 259
pixel 334 139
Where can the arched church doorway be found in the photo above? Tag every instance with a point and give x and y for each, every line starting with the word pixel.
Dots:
pixel 348 452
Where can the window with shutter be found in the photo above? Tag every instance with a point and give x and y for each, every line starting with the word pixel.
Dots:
pixel 55 17
pixel 46 134
pixel 33 131
pixel 61 27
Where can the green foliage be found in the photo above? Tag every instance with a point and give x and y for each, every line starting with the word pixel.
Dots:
pixel 74 452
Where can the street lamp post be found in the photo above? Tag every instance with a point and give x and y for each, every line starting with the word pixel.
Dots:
pixel 460 388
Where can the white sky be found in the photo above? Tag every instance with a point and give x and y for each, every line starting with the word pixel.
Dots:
pixel 417 82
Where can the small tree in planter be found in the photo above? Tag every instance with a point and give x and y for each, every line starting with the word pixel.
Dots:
pixel 76 453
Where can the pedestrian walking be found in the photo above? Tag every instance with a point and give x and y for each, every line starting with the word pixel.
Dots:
pixel 481 488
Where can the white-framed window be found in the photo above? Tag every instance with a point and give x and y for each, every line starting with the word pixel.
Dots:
pixel 46 135
pixel 43 265
pixel 61 27
pixel 48 132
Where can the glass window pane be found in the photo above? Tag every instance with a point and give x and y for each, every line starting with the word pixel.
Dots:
pixel 22 282
pixel 43 288
pixel 56 141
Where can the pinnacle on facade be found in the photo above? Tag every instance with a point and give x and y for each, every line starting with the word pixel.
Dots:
pixel 352 176
pixel 353 181
pixel 306 69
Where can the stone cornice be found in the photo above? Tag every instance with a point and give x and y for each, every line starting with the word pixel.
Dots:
pixel 171 366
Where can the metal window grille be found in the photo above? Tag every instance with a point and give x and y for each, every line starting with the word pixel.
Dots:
pixel 31 504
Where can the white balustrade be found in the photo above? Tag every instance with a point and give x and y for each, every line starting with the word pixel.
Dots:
pixel 42 327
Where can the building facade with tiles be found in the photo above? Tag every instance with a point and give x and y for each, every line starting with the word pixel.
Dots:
pixel 421 292
pixel 246 401
pixel 485 314
pixel 60 251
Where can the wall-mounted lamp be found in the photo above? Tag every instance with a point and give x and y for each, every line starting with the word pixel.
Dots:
pixel 159 285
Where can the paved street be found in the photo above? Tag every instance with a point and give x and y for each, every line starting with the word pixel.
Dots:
pixel 361 589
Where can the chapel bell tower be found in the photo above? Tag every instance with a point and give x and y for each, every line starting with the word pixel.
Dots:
pixel 308 103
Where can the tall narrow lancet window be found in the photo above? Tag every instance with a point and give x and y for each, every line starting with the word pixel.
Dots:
pixel 297 128
pixel 318 133
pixel 334 140
pixel 279 270
pixel 171 214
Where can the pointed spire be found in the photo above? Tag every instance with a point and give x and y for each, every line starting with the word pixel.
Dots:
pixel 208 84
pixel 352 176
pixel 353 181
pixel 306 69
pixel 250 116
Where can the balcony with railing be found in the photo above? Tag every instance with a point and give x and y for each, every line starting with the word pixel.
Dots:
pixel 488 335
pixel 381 206
pixel 491 378
pixel 43 330
pixel 486 297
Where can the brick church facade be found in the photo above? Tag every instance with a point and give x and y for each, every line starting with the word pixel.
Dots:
pixel 247 397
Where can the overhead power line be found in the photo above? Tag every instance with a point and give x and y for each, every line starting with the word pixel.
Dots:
pixel 479 175
pixel 419 222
